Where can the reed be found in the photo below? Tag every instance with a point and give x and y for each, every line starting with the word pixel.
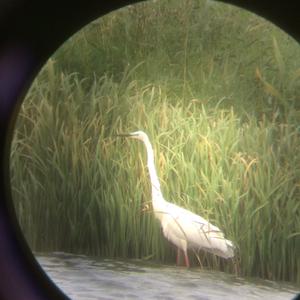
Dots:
pixel 76 188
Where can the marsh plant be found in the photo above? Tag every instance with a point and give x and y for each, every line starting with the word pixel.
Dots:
pixel 217 91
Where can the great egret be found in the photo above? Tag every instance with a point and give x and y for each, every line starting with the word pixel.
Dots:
pixel 181 227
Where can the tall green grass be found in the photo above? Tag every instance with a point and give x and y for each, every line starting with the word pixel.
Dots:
pixel 194 49
pixel 222 119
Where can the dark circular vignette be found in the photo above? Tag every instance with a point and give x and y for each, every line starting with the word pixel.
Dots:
pixel 30 31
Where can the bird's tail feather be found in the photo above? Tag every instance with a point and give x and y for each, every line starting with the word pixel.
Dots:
pixel 230 249
pixel 228 252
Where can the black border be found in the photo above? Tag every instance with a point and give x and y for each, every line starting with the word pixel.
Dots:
pixel 30 31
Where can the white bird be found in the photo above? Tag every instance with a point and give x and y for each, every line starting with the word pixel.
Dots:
pixel 181 227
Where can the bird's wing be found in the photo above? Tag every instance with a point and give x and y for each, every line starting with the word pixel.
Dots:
pixel 187 216
pixel 199 233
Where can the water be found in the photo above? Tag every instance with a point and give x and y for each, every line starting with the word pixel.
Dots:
pixel 82 277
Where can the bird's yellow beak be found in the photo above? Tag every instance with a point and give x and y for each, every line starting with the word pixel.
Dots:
pixel 129 135
pixel 124 135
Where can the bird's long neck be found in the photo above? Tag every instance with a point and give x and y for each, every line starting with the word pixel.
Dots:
pixel 157 197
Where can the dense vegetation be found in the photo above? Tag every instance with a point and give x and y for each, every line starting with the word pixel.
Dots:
pixel 217 90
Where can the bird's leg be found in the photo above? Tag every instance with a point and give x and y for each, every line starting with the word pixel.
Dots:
pixel 187 262
pixel 199 260
pixel 178 257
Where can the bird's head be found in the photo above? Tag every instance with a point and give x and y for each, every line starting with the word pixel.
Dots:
pixel 139 135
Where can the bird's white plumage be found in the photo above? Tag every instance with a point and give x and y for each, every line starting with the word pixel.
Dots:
pixel 187 230
pixel 181 227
